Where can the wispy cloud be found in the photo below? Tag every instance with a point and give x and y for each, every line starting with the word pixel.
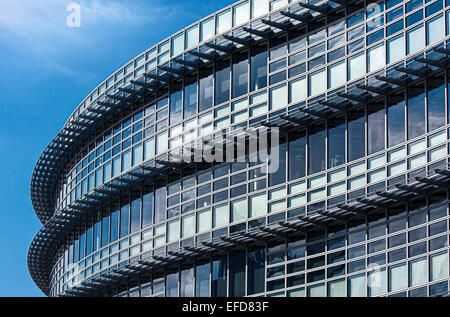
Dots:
pixel 37 28
pixel 117 12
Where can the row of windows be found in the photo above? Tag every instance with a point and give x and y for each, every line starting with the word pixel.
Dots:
pixel 204 31
pixel 406 115
pixel 160 204
pixel 109 228
pixel 236 211
pixel 259 204
pixel 196 34
pixel 201 93
pixel 247 274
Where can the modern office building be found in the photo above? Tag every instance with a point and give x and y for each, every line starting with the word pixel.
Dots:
pixel 358 203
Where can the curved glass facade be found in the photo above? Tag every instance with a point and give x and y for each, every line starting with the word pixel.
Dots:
pixel 358 205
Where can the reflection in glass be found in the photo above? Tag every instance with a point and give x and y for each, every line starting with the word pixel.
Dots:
pixel 147 209
pixel 222 91
pixel 297 156
pixel 376 127
pixel 172 285
pixel 237 275
pixel 114 225
pixel 176 103
pixel 240 75
pixel 258 67
pixel 190 96
pixel 316 144
pixel 187 283
pixel 396 119
pixel 202 280
pixel 436 102
pixel 336 142
pixel 135 215
pixel 124 220
pixel 206 89
pixel 219 277
pixel 416 111
pixel 356 135
pixel 160 204
pixel 256 271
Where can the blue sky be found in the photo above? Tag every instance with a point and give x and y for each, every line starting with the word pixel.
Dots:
pixel 47 69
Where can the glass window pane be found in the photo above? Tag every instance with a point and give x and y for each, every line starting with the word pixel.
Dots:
pixel 439 266
pixel 137 154
pixel 396 119
pixel 317 291
pixel 298 90
pixel 418 272
pixel 126 161
pixel 188 226
pixel 238 210
pixel 258 67
pixel 114 226
pixel 192 37
pixel 206 90
pixel 258 205
pixel 172 285
pixel 222 82
pixel 376 126
pixel 177 45
pixel 219 277
pixel 435 29
pixel 416 39
pixel 221 216
pixel 124 220
pixel 377 282
pixel 105 231
pixel 356 135
pixel 337 74
pixel 256 271
pixel 224 21
pixel 416 111
pixel 241 13
pixel 160 204
pixel 161 143
pixel 207 29
pixel 317 82
pixel 277 174
pixel 240 75
pixel 237 275
pixel 297 156
pixel 190 98
pixel 336 143
pixel 176 104
pixel 336 288
pixel 149 149
pixel 259 8
pixel 147 209
pixel 135 215
pixel 173 233
pixel 316 143
pixel 202 280
pixel 436 102
pixel 395 49
pixel 278 97
pixel 187 283
pixel 356 66
pixel 398 277
pixel 376 58
pixel 204 221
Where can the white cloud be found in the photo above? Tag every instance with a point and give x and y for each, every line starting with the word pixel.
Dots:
pixel 37 28
pixel 115 12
